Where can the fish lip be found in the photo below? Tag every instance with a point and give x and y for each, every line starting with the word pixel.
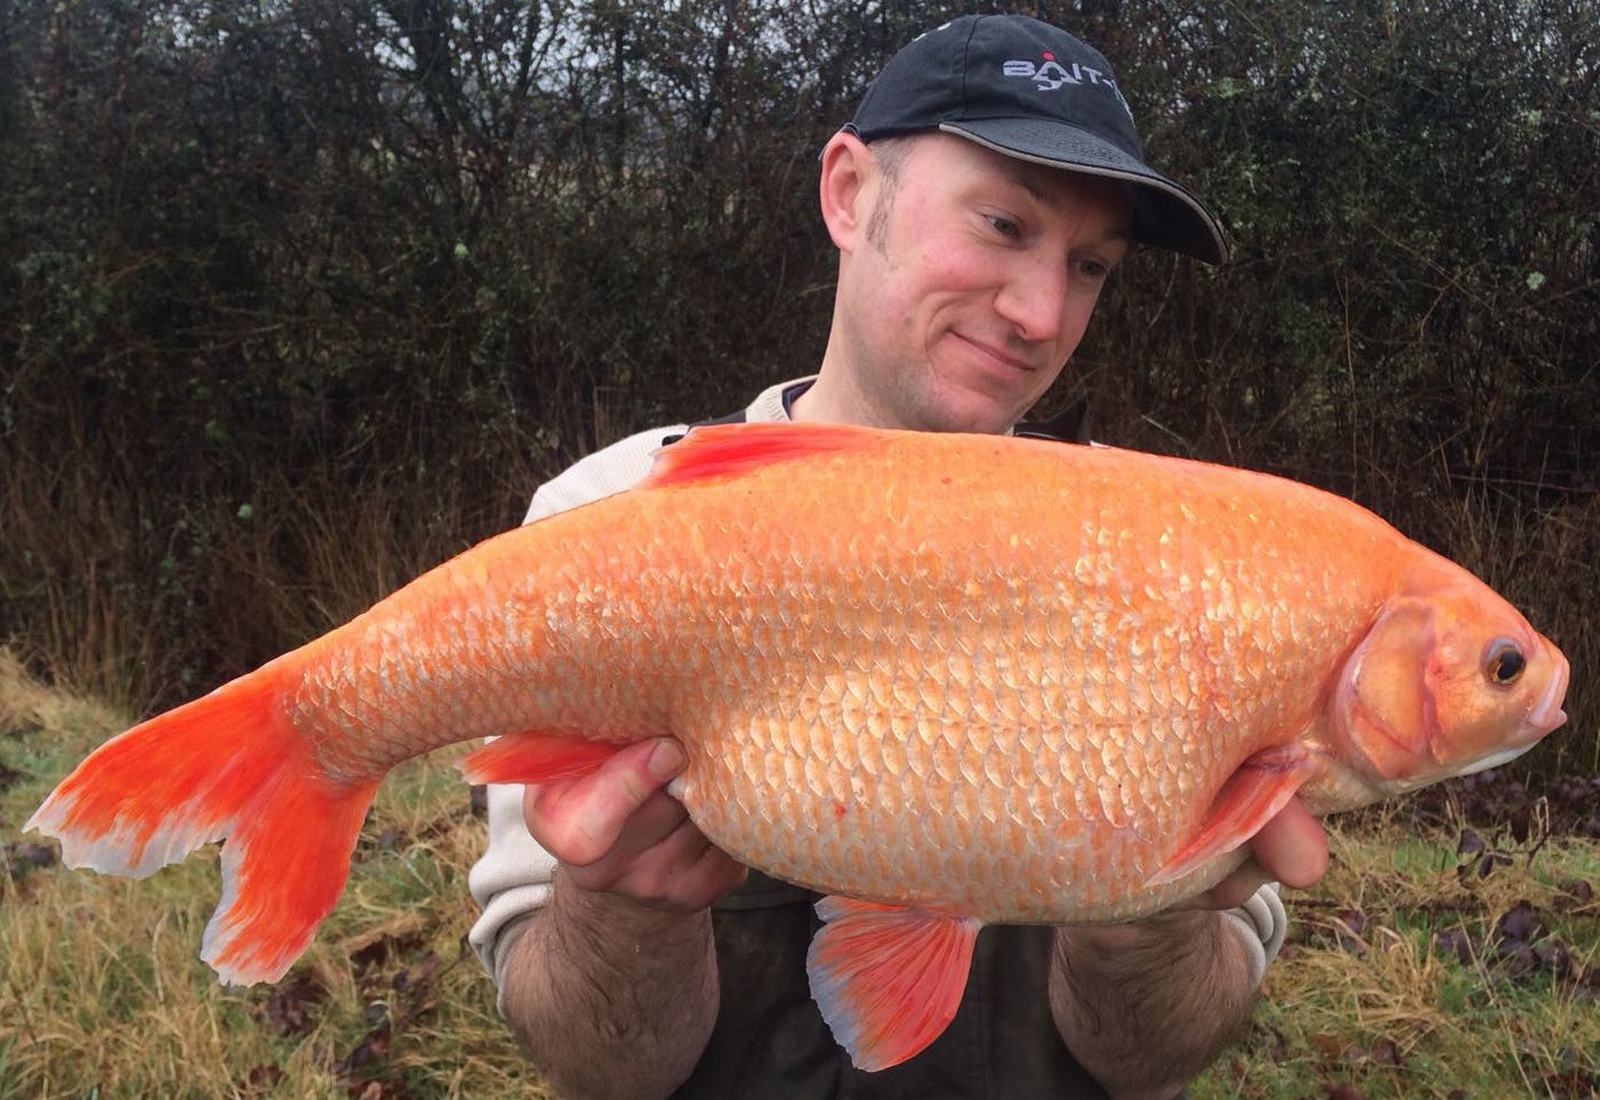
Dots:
pixel 1547 714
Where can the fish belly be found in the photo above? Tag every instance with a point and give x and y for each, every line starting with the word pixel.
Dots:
pixel 1010 700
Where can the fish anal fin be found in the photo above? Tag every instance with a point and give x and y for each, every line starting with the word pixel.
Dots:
pixel 717 450
pixel 1260 788
pixel 534 757
pixel 887 979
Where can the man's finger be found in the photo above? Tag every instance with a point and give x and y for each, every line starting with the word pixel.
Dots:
pixel 645 828
pixel 658 873
pixel 578 823
pixel 1292 848
pixel 1234 890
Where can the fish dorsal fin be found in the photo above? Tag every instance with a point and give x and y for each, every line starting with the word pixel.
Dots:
pixel 718 450
pixel 1260 788
pixel 888 980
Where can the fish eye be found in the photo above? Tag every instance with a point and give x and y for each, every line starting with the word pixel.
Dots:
pixel 1504 662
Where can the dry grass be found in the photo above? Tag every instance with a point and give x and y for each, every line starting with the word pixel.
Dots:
pixel 103 994
pixel 95 595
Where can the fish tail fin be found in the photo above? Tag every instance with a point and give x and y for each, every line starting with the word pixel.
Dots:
pixel 231 766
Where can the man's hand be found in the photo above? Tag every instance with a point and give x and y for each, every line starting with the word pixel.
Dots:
pixel 619 833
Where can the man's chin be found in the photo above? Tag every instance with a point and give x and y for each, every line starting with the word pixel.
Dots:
pixel 964 401
pixel 969 412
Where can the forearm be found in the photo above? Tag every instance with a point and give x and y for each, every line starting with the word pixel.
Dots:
pixel 611 998
pixel 1146 1006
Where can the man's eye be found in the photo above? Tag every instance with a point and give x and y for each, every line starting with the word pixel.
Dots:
pixel 1004 226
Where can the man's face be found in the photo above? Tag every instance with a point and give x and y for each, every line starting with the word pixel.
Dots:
pixel 962 303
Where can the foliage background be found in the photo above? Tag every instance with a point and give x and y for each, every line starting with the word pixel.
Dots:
pixel 297 298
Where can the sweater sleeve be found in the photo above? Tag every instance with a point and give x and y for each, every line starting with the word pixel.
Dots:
pixel 1262 923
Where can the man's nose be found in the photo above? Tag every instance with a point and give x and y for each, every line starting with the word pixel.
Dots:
pixel 1034 299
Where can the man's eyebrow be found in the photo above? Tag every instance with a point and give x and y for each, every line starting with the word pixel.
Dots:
pixel 1122 232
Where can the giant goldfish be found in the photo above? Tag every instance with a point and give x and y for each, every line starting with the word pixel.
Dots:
pixel 945 680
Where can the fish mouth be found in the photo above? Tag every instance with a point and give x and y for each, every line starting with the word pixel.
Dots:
pixel 1547 714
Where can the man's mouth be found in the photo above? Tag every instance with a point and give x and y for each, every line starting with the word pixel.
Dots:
pixel 999 357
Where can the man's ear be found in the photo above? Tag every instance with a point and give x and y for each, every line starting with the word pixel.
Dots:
pixel 849 180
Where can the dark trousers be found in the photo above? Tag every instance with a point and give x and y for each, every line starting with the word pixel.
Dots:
pixel 770 1039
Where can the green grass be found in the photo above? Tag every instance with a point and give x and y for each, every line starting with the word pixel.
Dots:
pixel 1391 1013
pixel 102 993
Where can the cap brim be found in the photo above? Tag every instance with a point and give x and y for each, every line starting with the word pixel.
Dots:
pixel 1165 213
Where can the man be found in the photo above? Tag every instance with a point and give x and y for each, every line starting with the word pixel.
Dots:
pixel 988 183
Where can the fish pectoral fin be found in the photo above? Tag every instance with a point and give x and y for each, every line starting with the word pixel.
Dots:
pixel 534 757
pixel 888 979
pixel 1260 788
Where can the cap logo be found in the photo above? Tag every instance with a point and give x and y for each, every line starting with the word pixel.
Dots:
pixel 1050 75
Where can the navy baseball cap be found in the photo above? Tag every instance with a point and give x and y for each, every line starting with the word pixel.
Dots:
pixel 1029 90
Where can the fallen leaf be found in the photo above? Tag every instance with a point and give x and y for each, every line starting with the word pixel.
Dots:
pixel 1571 1085
pixel 262 1079
pixel 1573 893
pixel 1520 922
pixel 1521 823
pixel 1327 1044
pixel 423 972
pixel 1454 941
pixel 1554 957
pixel 372 1047
pixel 400 934
pixel 1515 958
pixel 378 1089
pixel 1385 1052
pixel 1486 863
pixel 1347 927
pixel 23 856
pixel 287 1009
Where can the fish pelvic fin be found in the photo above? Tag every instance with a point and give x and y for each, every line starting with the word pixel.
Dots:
pixel 534 757
pixel 228 766
pixel 887 979
pixel 1260 788
pixel 719 450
